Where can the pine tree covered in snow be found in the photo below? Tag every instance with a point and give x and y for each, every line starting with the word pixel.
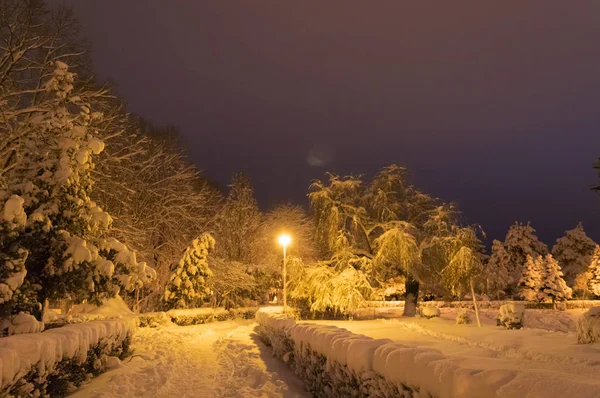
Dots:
pixel 593 281
pixel 553 285
pixel 520 242
pixel 495 273
pixel 52 174
pixel 532 278
pixel 573 252
pixel 12 256
pixel 187 285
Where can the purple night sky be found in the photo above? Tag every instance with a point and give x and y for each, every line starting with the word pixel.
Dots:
pixel 491 104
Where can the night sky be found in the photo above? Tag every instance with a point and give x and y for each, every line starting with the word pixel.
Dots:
pixel 492 104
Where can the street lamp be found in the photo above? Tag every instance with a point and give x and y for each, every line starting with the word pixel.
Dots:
pixel 284 240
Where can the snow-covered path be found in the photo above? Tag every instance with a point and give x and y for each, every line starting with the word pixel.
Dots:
pixel 222 359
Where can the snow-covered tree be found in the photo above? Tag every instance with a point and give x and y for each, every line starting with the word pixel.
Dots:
pixel 553 285
pixel 593 279
pixel 188 285
pixel 458 276
pixel 495 273
pixel 12 255
pixel 532 277
pixel 238 222
pixel 52 174
pixel 230 283
pixel 520 242
pixel 573 252
pixel 384 229
pixel 159 201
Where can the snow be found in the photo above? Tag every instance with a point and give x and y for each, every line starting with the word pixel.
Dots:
pixel 112 308
pixel 24 323
pixel 13 212
pixel 217 360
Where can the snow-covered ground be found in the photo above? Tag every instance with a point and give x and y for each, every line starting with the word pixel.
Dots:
pixel 546 355
pixel 221 359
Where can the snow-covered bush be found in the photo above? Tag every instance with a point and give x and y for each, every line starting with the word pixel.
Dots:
pixel 588 327
pixel 154 319
pixel 197 316
pixel 430 312
pixel 20 324
pixel 55 362
pixel 187 285
pixel 463 318
pixel 511 316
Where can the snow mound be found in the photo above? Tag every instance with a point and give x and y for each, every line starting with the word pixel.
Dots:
pixel 112 308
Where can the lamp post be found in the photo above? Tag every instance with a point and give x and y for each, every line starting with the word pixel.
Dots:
pixel 284 240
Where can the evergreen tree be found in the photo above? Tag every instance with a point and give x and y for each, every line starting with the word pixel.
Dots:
pixel 52 174
pixel 594 272
pixel 188 286
pixel 531 279
pixel 495 273
pixel 12 256
pixel 520 242
pixel 553 285
pixel 573 252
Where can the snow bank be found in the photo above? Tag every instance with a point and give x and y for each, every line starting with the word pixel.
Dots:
pixel 66 356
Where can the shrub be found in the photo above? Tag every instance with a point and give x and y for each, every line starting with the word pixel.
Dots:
pixel 588 327
pixel 154 319
pixel 511 316
pixel 463 318
pixel 430 312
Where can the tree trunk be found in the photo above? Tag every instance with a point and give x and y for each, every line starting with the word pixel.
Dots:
pixel 411 296
pixel 475 305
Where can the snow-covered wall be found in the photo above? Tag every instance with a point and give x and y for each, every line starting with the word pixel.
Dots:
pixel 52 362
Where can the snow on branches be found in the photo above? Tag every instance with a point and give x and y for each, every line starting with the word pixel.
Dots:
pixel 187 285
pixel 542 280
pixel 574 252
pixel 54 226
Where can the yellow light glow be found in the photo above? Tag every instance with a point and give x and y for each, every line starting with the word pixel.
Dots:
pixel 284 240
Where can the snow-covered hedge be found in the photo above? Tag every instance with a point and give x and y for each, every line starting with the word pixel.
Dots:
pixel 194 316
pixel 333 362
pixel 588 327
pixel 55 362
pixel 486 304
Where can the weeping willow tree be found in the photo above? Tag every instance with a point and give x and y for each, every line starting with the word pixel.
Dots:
pixel 464 266
pixel 380 231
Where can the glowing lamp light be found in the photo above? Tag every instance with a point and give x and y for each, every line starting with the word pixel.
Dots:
pixel 284 240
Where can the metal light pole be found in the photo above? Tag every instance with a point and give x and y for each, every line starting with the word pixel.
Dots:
pixel 284 240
